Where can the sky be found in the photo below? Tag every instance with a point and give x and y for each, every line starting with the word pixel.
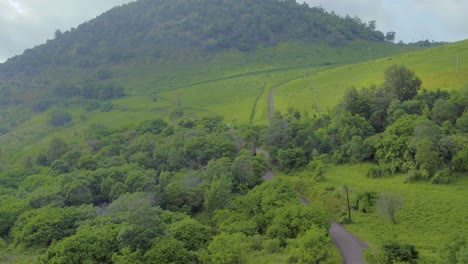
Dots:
pixel 27 23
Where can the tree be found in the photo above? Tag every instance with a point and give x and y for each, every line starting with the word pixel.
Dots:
pixel 10 209
pixel 462 122
pixel 39 227
pixel 401 83
pixel 60 118
pixel 291 158
pixel 219 194
pixel 236 252
pixel 57 33
pixel 167 250
pixel 427 157
pixel 193 234
pixel 444 110
pixel 390 36
pixel 311 247
pixel 57 148
pixel 389 205
pixel 91 244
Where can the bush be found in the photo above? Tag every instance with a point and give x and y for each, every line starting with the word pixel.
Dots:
pixel 394 252
pixel 376 172
pixel 60 118
pixel 444 176
pixel 318 169
pixel 365 201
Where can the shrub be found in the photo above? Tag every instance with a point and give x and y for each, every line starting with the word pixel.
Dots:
pixel 443 177
pixel 394 252
pixel 60 118
pixel 375 172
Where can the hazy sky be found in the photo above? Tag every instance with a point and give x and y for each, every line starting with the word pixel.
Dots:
pixel 27 23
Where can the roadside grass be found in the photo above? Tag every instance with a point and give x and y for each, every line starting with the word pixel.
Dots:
pixel 430 215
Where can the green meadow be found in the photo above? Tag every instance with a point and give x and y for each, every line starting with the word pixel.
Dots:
pixel 437 68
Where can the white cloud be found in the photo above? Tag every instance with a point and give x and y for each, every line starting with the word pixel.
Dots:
pixel 27 23
pixel 412 20
pixel 18 6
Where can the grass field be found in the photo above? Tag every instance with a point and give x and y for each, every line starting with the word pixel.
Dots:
pixel 430 214
pixel 435 66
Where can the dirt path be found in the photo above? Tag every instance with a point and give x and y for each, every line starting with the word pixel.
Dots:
pixel 271 103
pixel 350 246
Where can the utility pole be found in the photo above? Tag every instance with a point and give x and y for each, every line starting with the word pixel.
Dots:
pixel 458 62
pixel 370 58
pixel 347 200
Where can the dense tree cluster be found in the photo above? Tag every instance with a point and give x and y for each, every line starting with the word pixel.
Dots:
pixel 158 192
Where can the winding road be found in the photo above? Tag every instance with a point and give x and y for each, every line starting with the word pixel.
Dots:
pixel 350 246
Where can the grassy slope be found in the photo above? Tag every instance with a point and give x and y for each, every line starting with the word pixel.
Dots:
pixel 429 216
pixel 435 66
pixel 232 84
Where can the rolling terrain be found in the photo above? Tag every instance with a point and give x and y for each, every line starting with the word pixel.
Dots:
pixel 155 109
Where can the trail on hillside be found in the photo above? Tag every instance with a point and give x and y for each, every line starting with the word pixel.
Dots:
pixel 271 103
pixel 350 246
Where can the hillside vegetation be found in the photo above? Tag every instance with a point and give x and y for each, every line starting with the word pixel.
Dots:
pixel 134 138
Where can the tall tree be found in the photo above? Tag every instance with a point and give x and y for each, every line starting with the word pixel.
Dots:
pixel 401 82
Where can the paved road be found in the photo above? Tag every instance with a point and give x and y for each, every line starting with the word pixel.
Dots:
pixel 350 246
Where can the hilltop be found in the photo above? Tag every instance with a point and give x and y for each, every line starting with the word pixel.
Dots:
pixel 174 34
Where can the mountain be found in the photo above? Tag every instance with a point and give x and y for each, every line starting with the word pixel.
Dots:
pixel 162 29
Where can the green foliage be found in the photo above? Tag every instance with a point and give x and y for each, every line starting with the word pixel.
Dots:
pixel 311 247
pixel 60 118
pixel 394 252
pixel 219 195
pixel 10 209
pixel 444 110
pixel 167 250
pixel 247 171
pixel 154 126
pixel 295 220
pixel 235 253
pixel 142 221
pixel 401 83
pixel 454 251
pixel 57 148
pixel 40 227
pixel 318 169
pixel 365 201
pixel 91 244
pixel 193 234
pixel 291 158
pixel 460 160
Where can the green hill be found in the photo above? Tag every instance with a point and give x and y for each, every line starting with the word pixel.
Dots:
pixel 155 58
pixel 437 68
pixel 134 138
